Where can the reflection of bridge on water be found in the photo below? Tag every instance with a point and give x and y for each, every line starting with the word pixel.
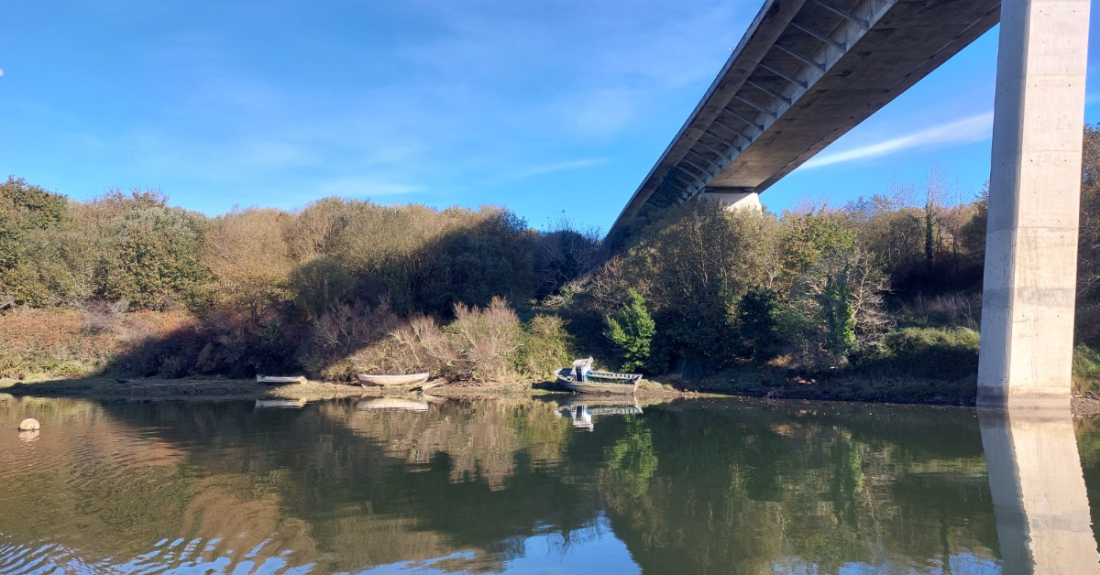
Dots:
pixel 1039 498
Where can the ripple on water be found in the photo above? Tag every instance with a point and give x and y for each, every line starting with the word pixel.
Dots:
pixel 169 558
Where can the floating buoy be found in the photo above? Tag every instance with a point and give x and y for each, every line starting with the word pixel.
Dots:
pixel 29 424
pixel 28 436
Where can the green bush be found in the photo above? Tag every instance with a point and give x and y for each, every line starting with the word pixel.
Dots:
pixel 925 352
pixel 545 347
pixel 1086 369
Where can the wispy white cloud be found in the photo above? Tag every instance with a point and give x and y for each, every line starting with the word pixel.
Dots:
pixel 558 167
pixel 966 130
pixel 367 186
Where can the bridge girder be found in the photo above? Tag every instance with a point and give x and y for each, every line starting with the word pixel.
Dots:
pixel 805 73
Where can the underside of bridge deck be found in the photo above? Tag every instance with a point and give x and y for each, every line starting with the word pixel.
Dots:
pixel 806 72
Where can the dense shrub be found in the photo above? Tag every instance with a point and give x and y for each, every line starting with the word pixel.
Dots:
pixel 545 347
pixel 1086 369
pixel 341 332
pixel 484 340
pixel 691 266
pixel 929 353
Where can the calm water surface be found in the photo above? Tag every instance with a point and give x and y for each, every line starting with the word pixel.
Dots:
pixel 498 487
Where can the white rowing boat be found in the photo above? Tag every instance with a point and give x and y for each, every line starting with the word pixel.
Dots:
pixel 274 379
pixel 392 380
pixel 280 403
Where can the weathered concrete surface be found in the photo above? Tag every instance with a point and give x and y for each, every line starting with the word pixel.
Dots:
pixel 1039 497
pixel 1034 203
pixel 805 73
pixel 734 201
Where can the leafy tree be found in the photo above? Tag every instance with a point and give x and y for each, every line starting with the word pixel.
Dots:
pixel 248 259
pixel 809 237
pixel 840 317
pixel 154 258
pixel 25 211
pixel 758 324
pixel 631 330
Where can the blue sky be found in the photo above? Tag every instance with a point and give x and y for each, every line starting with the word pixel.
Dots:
pixel 543 107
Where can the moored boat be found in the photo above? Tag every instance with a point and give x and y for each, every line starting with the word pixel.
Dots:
pixel 280 403
pixel 411 379
pixel 272 379
pixel 581 379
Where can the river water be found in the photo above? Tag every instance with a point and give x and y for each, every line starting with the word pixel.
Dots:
pixel 500 486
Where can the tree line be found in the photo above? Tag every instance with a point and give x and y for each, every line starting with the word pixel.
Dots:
pixel 885 284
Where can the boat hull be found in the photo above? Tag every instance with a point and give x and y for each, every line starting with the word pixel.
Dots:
pixel 594 387
pixel 367 380
pixel 280 403
pixel 276 380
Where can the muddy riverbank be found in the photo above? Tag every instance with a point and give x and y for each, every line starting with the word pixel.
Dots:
pixel 217 389
pixel 163 389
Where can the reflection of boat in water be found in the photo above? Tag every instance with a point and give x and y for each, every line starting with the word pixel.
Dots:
pixel 280 403
pixel 273 379
pixel 580 415
pixel 582 412
pixel 391 404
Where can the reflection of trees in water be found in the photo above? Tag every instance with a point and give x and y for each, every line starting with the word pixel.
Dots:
pixel 726 489
pixel 807 490
pixel 481 440
pixel 110 493
pixel 1088 444
pixel 631 460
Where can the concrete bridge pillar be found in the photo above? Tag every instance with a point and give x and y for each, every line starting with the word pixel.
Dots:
pixel 733 199
pixel 1034 204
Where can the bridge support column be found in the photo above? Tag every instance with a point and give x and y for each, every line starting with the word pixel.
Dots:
pixel 1034 204
pixel 733 198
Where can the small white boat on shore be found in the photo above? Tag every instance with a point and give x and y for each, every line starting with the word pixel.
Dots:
pixel 582 379
pixel 275 379
pixel 407 380
pixel 280 403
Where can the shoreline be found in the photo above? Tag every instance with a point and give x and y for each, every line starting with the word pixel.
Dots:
pixel 103 388
pixel 106 389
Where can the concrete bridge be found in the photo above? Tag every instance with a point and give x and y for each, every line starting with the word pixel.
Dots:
pixel 808 71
